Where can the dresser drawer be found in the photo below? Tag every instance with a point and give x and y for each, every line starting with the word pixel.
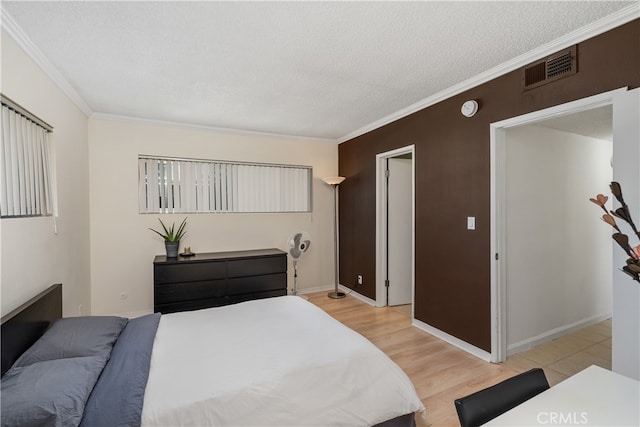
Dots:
pixel 190 305
pixel 189 272
pixel 256 266
pixel 234 299
pixel 267 282
pixel 174 292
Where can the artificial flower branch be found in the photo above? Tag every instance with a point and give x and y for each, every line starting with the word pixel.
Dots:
pixel 632 267
pixel 622 212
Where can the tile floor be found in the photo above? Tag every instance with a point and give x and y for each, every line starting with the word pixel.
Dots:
pixel 569 354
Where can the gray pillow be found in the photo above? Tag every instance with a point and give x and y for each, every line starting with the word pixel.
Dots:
pixel 75 337
pixel 118 396
pixel 49 393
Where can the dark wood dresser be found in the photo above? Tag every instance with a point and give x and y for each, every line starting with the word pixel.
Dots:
pixel 218 278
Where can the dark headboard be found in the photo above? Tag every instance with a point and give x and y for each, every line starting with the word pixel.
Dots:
pixel 24 325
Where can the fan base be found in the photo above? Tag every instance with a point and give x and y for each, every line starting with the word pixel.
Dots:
pixel 337 295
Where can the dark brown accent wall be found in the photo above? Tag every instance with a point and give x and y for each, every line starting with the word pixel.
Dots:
pixel 452 182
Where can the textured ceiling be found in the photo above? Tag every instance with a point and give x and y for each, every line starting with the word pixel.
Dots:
pixel 310 69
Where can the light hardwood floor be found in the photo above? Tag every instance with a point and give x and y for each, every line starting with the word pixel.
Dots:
pixel 441 372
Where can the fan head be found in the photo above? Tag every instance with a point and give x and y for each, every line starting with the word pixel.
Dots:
pixel 299 243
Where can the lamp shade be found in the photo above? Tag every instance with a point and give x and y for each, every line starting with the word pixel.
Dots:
pixel 334 180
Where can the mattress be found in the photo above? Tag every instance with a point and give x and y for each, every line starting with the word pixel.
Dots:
pixel 278 361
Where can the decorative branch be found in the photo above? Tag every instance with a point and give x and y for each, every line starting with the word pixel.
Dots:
pixel 632 267
pixel 622 212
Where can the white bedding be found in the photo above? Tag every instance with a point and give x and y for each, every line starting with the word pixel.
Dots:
pixel 278 361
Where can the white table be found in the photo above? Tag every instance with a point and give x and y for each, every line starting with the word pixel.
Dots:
pixel 593 397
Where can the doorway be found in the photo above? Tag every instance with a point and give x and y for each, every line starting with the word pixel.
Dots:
pixel 557 253
pixel 625 160
pixel 395 228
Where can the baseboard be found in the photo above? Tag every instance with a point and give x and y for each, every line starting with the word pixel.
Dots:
pixel 315 289
pixel 357 295
pixel 554 333
pixel 456 342
pixel 344 289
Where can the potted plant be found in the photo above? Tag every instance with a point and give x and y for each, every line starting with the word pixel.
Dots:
pixel 172 237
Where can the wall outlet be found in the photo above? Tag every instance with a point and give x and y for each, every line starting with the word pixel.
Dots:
pixel 359 279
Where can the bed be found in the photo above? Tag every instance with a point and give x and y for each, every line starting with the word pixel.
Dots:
pixel 278 361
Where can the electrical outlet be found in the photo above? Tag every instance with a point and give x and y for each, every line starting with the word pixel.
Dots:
pixel 359 279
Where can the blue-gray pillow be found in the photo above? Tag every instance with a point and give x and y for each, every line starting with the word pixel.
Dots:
pixel 75 337
pixel 118 396
pixel 49 393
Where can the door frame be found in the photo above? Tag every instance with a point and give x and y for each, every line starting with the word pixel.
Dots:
pixel 498 240
pixel 381 223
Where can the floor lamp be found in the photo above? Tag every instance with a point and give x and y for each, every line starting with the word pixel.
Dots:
pixel 334 181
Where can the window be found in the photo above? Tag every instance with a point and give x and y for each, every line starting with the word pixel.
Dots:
pixel 25 183
pixel 197 186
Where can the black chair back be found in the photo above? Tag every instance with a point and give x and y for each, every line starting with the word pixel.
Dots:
pixel 485 405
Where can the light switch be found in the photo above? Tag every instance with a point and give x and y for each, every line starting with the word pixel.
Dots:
pixel 471 223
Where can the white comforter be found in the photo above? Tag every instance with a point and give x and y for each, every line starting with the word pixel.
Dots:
pixel 278 361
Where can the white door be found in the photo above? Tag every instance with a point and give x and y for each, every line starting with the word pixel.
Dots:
pixel 399 230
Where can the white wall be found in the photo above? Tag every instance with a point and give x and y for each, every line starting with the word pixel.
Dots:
pixel 122 247
pixel 558 251
pixel 33 257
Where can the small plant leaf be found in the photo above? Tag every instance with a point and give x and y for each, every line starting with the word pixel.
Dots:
pixel 599 201
pixel 623 241
pixel 170 234
pixel 157 232
pixel 617 191
pixel 609 220
pixel 634 275
pixel 622 214
pixel 634 267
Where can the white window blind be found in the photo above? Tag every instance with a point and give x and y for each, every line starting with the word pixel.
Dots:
pixel 25 187
pixel 199 186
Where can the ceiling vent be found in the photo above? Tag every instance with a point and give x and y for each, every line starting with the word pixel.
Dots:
pixel 553 67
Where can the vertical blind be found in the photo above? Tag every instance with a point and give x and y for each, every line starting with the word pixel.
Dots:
pixel 199 186
pixel 25 188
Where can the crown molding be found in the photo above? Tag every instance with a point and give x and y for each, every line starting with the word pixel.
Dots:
pixel 242 132
pixel 13 29
pixel 605 24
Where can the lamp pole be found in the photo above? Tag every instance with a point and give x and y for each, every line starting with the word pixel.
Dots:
pixel 334 182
